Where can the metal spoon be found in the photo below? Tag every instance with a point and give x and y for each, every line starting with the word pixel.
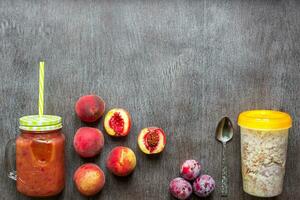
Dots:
pixel 224 133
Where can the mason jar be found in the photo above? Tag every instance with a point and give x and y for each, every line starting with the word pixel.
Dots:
pixel 38 151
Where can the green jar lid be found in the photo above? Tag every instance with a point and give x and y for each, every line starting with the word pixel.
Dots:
pixel 40 123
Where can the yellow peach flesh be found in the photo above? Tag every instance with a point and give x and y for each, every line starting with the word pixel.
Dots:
pixel 124 114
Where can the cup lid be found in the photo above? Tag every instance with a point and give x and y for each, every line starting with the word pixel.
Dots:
pixel 265 120
pixel 40 122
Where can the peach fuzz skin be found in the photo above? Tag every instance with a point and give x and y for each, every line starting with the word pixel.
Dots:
pixel 90 108
pixel 121 161
pixel 117 122
pixel 88 142
pixel 89 179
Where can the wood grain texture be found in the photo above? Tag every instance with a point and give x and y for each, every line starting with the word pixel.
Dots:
pixel 179 65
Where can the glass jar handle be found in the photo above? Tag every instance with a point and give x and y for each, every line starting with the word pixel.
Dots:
pixel 10 156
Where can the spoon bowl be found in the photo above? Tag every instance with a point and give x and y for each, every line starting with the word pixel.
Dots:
pixel 224 131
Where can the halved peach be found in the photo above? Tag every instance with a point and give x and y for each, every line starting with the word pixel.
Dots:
pixel 152 140
pixel 117 122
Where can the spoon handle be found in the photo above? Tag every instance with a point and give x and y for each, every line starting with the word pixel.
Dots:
pixel 224 192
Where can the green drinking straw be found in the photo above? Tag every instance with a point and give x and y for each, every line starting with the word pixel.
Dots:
pixel 41 89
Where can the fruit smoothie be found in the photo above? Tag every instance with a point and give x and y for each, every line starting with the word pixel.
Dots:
pixel 38 152
pixel 264 140
pixel 40 163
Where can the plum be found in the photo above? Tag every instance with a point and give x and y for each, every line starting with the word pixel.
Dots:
pixel 204 185
pixel 180 188
pixel 190 169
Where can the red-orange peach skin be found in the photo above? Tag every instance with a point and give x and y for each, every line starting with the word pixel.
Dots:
pixel 121 161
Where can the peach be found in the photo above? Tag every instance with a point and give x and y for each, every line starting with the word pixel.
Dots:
pixel 121 161
pixel 117 122
pixel 152 140
pixel 90 108
pixel 89 179
pixel 88 142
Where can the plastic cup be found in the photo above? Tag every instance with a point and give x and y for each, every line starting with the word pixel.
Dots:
pixel 264 140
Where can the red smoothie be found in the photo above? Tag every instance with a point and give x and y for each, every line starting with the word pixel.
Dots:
pixel 40 163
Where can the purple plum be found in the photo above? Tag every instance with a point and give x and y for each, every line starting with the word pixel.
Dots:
pixel 190 169
pixel 180 188
pixel 204 185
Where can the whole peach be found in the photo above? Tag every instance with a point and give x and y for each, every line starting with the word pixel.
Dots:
pixel 121 161
pixel 90 108
pixel 88 142
pixel 89 179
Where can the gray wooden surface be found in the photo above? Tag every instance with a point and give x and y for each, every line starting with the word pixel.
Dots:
pixel 179 65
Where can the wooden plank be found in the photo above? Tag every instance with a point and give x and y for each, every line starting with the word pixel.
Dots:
pixel 179 65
